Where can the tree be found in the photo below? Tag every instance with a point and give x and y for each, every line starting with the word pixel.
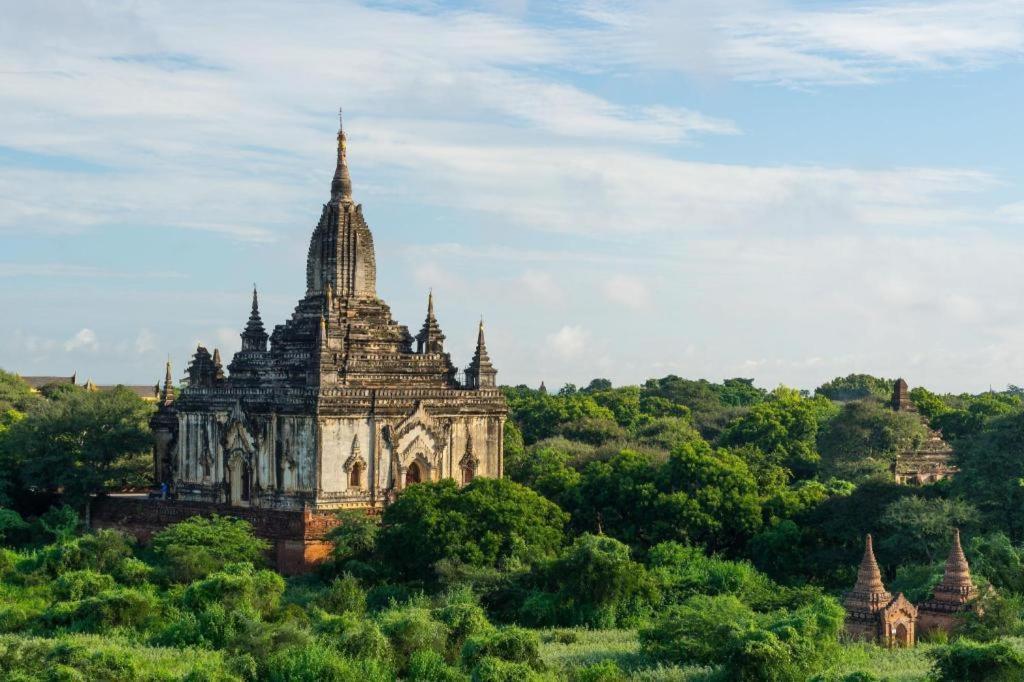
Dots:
pixel 16 394
pixel 779 646
pixel 597 583
pixel 81 443
pixel 969 660
pixel 489 523
pixel 864 438
pixel 918 529
pixel 198 546
pixel 856 387
pixel 991 469
pixel 784 427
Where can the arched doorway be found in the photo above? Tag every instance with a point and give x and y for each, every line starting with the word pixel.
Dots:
pixel 239 480
pixel 413 474
pixel 355 476
pixel 902 636
pixel 468 471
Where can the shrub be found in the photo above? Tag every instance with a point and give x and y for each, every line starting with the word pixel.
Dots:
pixel 721 630
pixel 343 595
pixel 513 644
pixel 361 638
pixel 462 622
pixel 605 671
pixel 13 529
pixel 132 571
pixel 967 660
pixel 237 587
pixel 411 629
pixel 599 585
pixel 101 551
pixel 200 546
pixel 698 631
pixel 77 585
pixel 318 663
pixel 497 670
pixel 430 666
pixel 118 607
pixel 387 596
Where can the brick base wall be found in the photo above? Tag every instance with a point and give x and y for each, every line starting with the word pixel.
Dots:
pixel 298 538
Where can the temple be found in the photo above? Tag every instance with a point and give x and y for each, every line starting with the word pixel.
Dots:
pixel 334 408
pixel 874 615
pixel 927 462
pixel 954 596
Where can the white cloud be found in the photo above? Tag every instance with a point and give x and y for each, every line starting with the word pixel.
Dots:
pixel 782 41
pixel 84 339
pixel 627 291
pixel 569 342
pixel 542 287
pixel 145 342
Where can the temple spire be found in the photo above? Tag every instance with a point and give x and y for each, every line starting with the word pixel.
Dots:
pixel 254 337
pixel 167 395
pixel 341 185
pixel 431 338
pixel 481 373
pixel 956 584
pixel 868 594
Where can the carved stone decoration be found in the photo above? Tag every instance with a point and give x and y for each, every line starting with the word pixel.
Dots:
pixel 355 458
pixel 470 462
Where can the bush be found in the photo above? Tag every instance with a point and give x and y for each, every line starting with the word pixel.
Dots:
pixel 199 546
pixel 360 638
pixel 599 585
pixel 13 529
pixel 700 631
pixel 721 630
pixel 462 621
pixel 512 644
pixel 77 585
pixel 430 666
pixel 605 671
pixel 318 663
pixel 239 587
pixel 967 660
pixel 343 595
pixel 411 629
pixel 497 670
pixel 101 551
pixel 118 607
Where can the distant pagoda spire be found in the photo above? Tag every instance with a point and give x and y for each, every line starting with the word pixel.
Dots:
pixel 341 185
pixel 431 338
pixel 956 585
pixel 167 394
pixel 901 397
pixel 481 373
pixel 255 335
pixel 868 594
pixel 218 366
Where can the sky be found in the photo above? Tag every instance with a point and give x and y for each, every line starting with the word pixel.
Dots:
pixel 781 190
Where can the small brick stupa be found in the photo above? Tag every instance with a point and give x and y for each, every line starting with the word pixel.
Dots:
pixel 872 613
pixel 953 596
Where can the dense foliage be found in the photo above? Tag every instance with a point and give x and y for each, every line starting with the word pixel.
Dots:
pixel 675 530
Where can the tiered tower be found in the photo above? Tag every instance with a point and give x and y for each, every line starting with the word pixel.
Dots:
pixel 338 409
pixel 871 611
pixel 953 596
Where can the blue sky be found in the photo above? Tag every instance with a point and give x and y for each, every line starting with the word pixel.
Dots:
pixel 788 191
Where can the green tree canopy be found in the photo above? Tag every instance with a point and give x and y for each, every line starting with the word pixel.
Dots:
pixel 81 443
pixel 490 522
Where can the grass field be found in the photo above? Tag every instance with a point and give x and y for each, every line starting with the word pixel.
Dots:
pixel 570 649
